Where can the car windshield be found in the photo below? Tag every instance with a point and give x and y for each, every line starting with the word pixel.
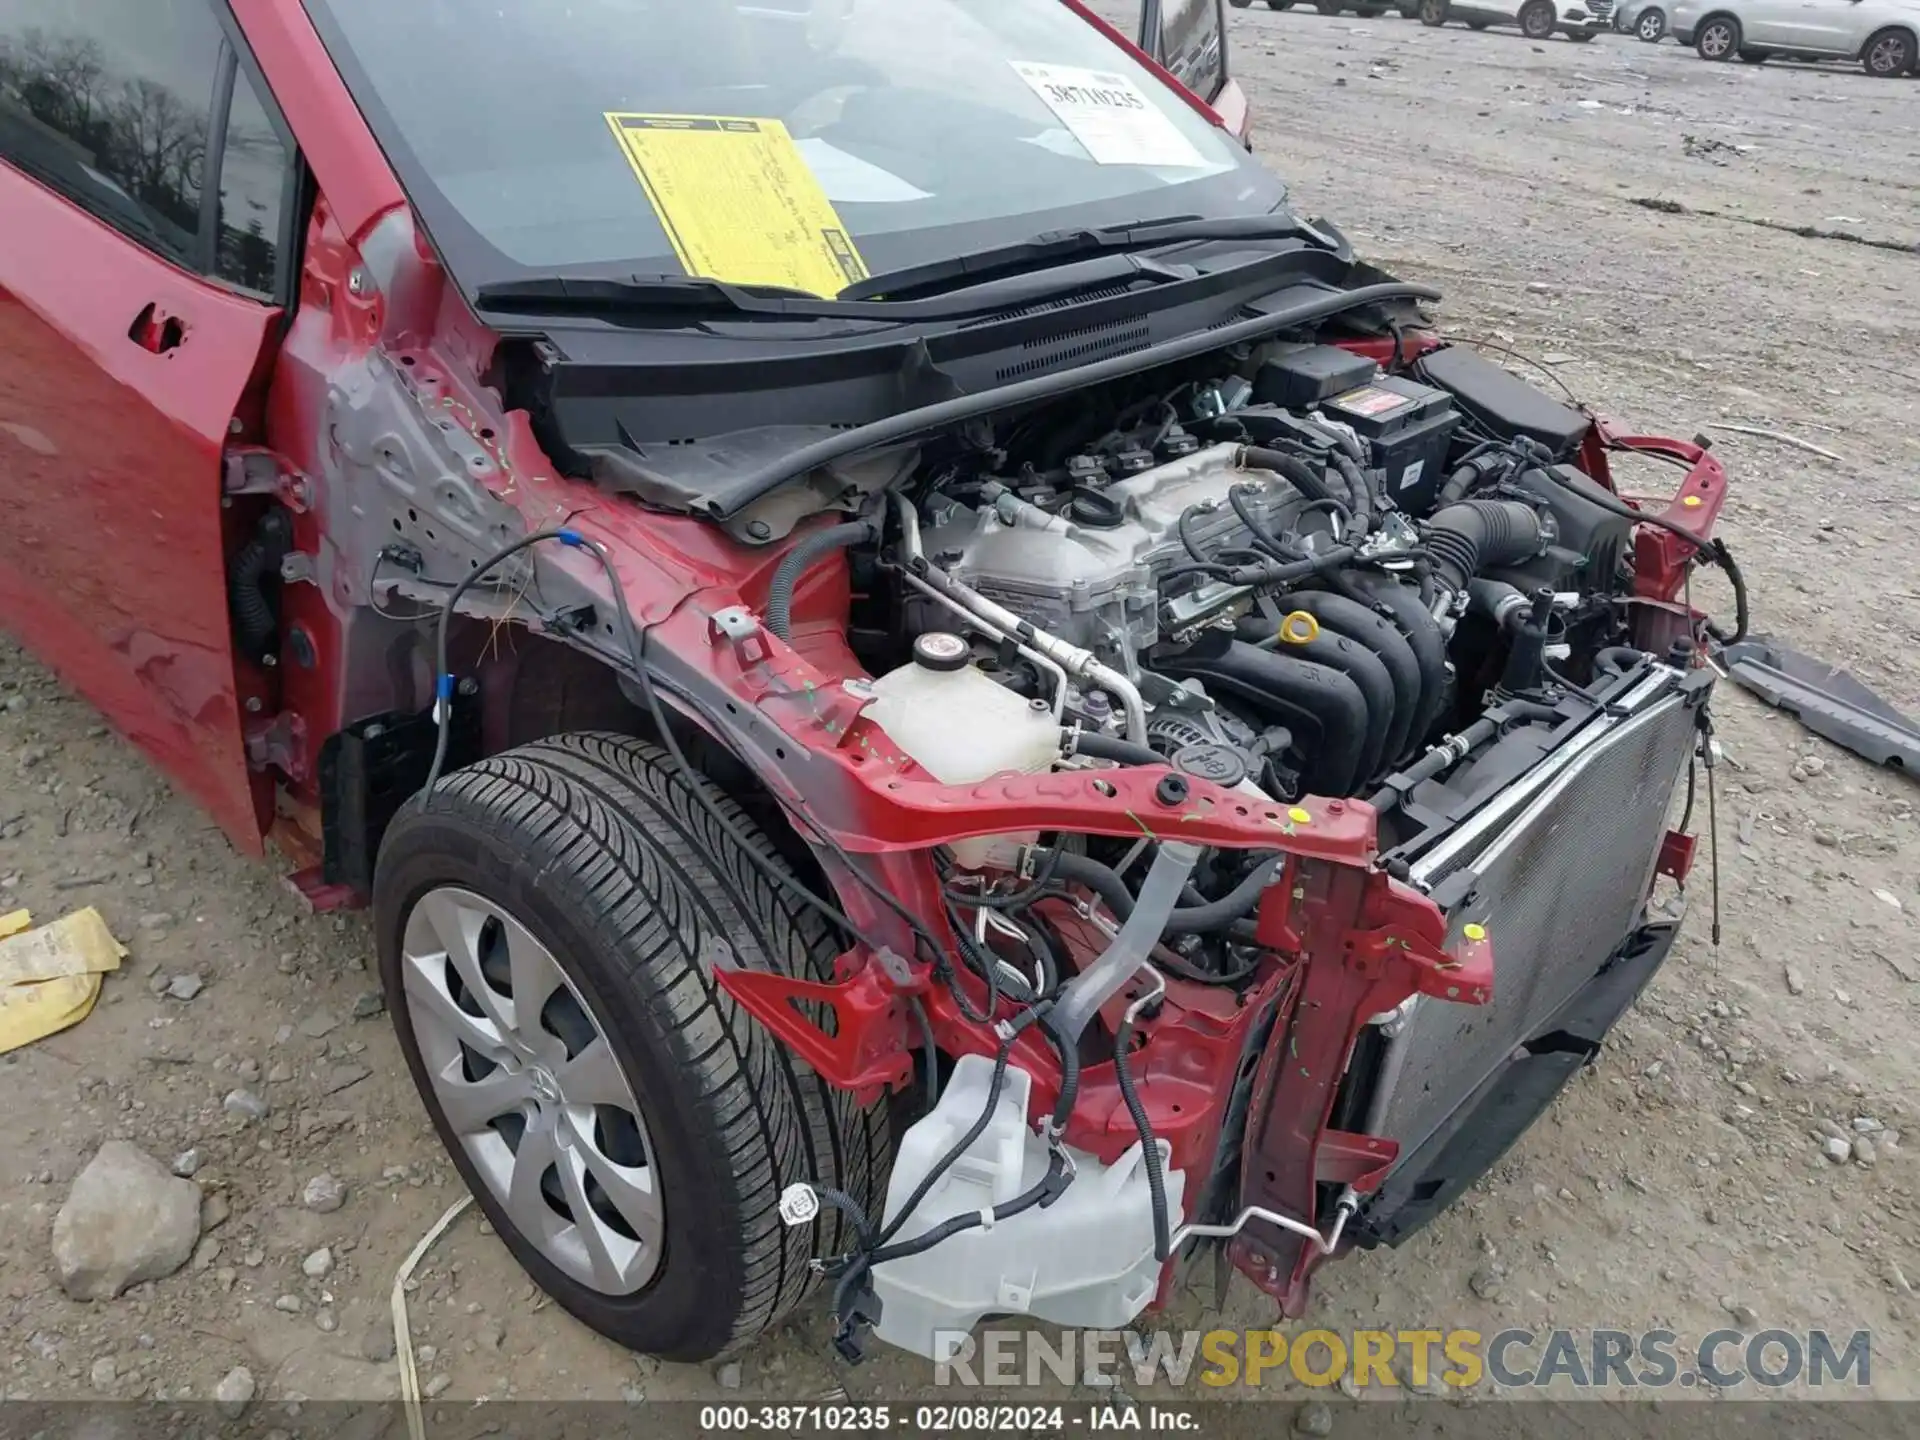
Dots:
pixel 621 137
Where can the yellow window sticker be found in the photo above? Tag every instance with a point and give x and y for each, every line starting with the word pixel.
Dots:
pixel 738 201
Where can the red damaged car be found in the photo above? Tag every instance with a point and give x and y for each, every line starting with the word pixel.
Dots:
pixel 929 687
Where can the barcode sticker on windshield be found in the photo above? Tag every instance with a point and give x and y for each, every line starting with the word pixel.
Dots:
pixel 1109 116
pixel 738 202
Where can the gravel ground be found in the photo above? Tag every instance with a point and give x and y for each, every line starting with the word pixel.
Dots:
pixel 1625 212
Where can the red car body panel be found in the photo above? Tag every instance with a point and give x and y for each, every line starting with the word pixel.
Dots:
pixel 116 573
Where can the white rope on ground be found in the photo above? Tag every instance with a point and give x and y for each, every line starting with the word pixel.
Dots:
pixel 402 1337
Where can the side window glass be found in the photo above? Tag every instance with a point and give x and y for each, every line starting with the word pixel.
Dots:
pixel 254 167
pixel 1191 44
pixel 107 102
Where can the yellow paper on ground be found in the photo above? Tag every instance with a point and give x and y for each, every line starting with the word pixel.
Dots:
pixel 50 977
pixel 74 944
pixel 739 202
pixel 46 1007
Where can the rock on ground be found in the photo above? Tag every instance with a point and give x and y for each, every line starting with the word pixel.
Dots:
pixel 126 1220
pixel 324 1193
pixel 234 1392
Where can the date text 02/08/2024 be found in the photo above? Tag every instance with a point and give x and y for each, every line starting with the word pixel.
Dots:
pixel 947 1419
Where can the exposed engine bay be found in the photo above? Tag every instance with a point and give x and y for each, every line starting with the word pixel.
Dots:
pixel 1236 785
pixel 1300 591
pixel 1303 579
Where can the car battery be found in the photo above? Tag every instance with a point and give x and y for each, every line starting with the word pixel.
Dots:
pixel 1409 427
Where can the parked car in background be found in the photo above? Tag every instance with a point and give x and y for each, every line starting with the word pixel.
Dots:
pixel 1646 19
pixel 1883 35
pixel 1536 19
pixel 1331 7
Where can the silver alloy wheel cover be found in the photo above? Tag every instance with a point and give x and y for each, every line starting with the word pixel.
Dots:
pixel 1720 30
pixel 560 1097
pixel 1652 24
pixel 1884 55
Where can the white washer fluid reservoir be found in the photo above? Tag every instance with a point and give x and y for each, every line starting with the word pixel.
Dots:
pixel 1086 1260
pixel 960 726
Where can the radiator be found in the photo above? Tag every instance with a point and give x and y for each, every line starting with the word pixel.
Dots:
pixel 1558 876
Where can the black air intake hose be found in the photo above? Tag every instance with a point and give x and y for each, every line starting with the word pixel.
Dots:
pixel 1481 534
pixel 1423 634
pixel 1312 700
pixel 1360 623
pixel 1359 664
pixel 794 564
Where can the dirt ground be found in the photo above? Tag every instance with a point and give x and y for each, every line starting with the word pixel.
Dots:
pixel 1623 213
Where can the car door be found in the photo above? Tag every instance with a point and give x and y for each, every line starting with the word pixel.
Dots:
pixel 144 227
pixel 1778 24
pixel 1838 27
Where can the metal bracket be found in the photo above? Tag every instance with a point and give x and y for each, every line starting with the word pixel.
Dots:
pixel 279 743
pixel 247 470
pixel 867 1051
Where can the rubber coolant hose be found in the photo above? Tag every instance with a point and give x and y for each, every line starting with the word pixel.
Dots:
pixel 795 562
pixel 1232 906
pixel 1108 747
pixel 1149 1146
pixel 1200 919
pixel 1360 622
pixel 1480 534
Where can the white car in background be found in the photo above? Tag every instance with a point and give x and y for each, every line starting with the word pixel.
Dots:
pixel 1536 19
pixel 1883 35
pixel 1645 18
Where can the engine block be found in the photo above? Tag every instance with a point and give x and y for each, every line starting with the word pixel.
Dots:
pixel 1090 576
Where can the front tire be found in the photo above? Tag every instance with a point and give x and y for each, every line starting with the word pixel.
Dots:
pixel 1718 39
pixel 1651 26
pixel 1889 55
pixel 1433 13
pixel 547 923
pixel 1537 19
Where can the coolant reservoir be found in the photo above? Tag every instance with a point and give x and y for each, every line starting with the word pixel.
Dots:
pixel 961 726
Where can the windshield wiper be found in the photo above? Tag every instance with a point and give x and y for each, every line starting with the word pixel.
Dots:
pixel 691 299
pixel 1053 247
pixel 691 295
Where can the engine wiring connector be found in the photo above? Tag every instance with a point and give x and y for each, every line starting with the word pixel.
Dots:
pixel 799 1204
